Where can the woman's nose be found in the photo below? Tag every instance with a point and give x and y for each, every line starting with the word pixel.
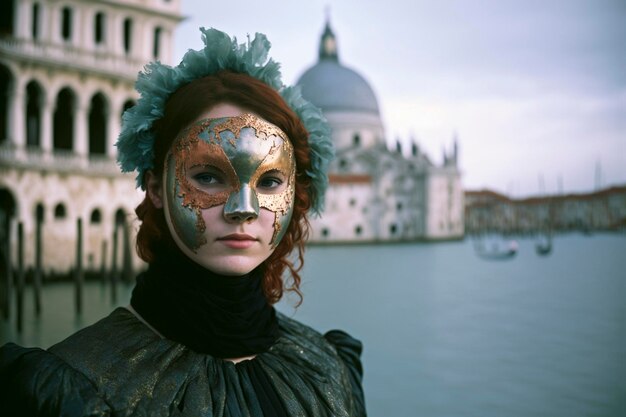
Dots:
pixel 242 205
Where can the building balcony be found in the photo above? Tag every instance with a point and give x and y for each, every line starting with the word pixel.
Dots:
pixel 60 161
pixel 66 56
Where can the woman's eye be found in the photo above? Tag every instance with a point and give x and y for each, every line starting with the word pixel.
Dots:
pixel 206 178
pixel 270 183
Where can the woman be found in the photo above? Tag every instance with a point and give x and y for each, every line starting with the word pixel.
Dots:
pixel 231 161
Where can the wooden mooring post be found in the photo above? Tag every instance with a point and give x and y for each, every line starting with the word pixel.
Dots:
pixel 20 277
pixel 127 259
pixel 7 273
pixel 103 263
pixel 37 278
pixel 78 272
pixel 114 266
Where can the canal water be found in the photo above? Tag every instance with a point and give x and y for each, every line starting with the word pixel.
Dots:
pixel 445 332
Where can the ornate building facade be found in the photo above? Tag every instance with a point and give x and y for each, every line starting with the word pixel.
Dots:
pixel 67 71
pixel 377 193
pixel 490 212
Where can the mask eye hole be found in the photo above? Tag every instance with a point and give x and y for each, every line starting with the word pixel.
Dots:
pixel 272 182
pixel 207 178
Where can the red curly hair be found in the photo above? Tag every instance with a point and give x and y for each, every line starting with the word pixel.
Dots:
pixel 187 104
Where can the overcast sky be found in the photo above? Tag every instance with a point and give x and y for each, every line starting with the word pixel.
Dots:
pixel 535 90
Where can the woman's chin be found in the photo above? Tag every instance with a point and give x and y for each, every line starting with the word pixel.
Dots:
pixel 230 265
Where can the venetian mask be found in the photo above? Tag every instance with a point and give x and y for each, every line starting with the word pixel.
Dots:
pixel 242 163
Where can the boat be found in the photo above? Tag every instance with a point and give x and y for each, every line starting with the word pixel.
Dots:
pixel 543 247
pixel 496 248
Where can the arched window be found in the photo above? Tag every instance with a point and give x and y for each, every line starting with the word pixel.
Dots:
pixel 156 47
pixel 393 229
pixel 34 100
pixel 96 217
pixel 99 28
pixel 358 230
pixel 356 139
pixel 325 232
pixel 127 105
pixel 7 11
pixel 59 211
pixel 97 125
pixel 34 27
pixel 63 130
pixel 120 217
pixel 128 32
pixel 66 24
pixel 5 85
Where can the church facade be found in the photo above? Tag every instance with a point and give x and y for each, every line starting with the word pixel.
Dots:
pixel 67 73
pixel 377 194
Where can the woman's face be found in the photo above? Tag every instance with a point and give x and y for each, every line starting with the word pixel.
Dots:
pixel 228 189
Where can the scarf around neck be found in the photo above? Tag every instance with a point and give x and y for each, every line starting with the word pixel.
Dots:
pixel 224 316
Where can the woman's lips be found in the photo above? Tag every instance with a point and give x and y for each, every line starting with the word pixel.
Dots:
pixel 237 240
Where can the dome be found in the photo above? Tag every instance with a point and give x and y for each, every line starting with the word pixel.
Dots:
pixel 331 86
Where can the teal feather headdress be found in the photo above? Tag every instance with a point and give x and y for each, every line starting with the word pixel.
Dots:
pixel 157 82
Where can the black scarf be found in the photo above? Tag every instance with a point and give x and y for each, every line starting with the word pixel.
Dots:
pixel 224 316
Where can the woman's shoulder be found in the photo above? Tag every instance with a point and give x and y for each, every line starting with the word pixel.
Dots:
pixel 117 348
pixel 336 355
pixel 118 331
pixel 68 375
pixel 339 340
pixel 35 382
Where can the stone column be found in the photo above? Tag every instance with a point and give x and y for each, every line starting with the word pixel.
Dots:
pixel 22 19
pixel 138 38
pixel 47 113
pixel 113 128
pixel 53 20
pixel 81 139
pixel 166 45
pixel 115 31
pixel 85 27
pixel 17 110
pixel 45 18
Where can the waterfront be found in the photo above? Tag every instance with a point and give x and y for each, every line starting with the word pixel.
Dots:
pixel 447 333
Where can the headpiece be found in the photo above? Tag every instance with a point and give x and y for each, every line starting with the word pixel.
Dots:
pixel 158 81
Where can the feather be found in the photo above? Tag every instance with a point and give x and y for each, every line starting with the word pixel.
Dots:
pixel 158 81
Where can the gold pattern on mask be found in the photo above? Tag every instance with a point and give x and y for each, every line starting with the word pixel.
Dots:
pixel 263 129
pixel 200 225
pixel 279 203
pixel 193 152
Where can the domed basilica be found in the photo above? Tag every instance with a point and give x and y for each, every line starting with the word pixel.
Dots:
pixel 376 194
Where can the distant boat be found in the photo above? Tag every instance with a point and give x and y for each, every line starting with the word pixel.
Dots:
pixel 544 246
pixel 494 248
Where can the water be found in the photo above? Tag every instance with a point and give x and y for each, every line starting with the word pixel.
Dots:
pixel 449 334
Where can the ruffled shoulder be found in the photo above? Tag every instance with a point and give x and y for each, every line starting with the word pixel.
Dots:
pixel 349 350
pixel 34 382
pixel 335 356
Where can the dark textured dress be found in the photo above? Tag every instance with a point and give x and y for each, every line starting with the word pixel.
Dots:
pixel 119 367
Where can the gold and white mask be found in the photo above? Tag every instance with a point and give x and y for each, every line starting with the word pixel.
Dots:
pixel 229 161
